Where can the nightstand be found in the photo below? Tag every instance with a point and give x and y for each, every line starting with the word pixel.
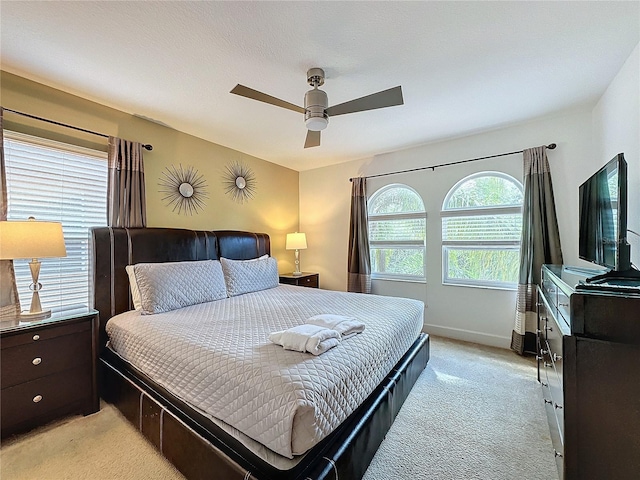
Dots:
pixel 305 280
pixel 47 369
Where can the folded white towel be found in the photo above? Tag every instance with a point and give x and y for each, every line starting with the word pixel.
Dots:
pixel 345 326
pixel 306 338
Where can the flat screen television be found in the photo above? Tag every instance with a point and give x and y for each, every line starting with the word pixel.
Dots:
pixel 603 218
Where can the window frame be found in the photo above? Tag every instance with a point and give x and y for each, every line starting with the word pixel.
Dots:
pixel 398 244
pixel 504 245
pixel 55 295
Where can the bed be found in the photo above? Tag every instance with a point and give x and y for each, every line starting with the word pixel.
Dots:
pixel 178 377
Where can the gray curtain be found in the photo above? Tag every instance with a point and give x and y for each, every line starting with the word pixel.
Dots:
pixel 126 205
pixel 9 301
pixel 359 260
pixel 540 244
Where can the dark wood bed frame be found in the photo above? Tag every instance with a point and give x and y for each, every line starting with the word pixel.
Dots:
pixel 189 440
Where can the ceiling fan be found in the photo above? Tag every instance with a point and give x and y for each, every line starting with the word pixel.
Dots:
pixel 316 110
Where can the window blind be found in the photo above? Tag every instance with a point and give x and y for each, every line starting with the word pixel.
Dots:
pixel 481 228
pixel 57 182
pixel 397 229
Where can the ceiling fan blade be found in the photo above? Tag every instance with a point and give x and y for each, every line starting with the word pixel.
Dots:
pixel 263 97
pixel 385 98
pixel 313 139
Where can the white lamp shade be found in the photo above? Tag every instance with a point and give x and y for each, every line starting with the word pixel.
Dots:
pixel 31 239
pixel 296 241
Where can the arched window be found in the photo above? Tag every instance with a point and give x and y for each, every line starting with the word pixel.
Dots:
pixel 397 233
pixel 481 229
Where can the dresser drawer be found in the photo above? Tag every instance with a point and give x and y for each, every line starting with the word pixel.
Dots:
pixel 557 397
pixel 45 397
pixel 28 361
pixel 550 291
pixel 557 440
pixel 554 367
pixel 304 280
pixel 42 334
pixel 563 309
pixel 311 281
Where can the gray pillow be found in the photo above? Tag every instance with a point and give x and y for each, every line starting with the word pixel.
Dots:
pixel 246 276
pixel 172 285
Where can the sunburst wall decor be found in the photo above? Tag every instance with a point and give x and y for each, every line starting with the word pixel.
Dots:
pixel 240 182
pixel 184 189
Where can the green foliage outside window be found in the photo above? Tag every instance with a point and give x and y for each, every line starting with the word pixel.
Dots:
pixel 398 261
pixel 396 200
pixel 488 265
pixel 485 191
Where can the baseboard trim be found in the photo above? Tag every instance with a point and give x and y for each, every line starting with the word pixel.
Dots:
pixel 468 336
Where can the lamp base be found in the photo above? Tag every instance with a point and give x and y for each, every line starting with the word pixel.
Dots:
pixel 31 316
pixel 297 272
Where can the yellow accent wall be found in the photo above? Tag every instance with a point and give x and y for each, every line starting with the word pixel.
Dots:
pixel 273 210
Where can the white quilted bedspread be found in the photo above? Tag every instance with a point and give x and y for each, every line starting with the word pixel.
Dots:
pixel 216 356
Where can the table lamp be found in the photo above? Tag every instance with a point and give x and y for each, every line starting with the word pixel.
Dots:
pixel 296 241
pixel 32 239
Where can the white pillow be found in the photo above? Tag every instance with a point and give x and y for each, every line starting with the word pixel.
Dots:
pixel 246 276
pixel 135 291
pixel 168 286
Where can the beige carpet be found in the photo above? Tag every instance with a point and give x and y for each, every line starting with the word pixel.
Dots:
pixel 475 413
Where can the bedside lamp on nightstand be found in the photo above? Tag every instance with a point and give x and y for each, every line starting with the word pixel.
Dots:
pixel 32 239
pixel 296 241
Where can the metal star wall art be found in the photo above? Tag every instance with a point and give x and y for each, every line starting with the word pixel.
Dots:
pixel 184 189
pixel 239 182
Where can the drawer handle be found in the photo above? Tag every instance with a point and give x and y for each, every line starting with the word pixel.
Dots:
pixel 558 406
pixel 36 361
pixel 544 352
pixel 37 398
pixel 556 357
pixel 549 328
pixel 36 337
pixel 548 364
pixel 544 384
pixel 563 304
pixel 556 453
pixel 548 401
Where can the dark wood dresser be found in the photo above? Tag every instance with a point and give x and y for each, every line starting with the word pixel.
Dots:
pixel 306 279
pixel 48 369
pixel 589 369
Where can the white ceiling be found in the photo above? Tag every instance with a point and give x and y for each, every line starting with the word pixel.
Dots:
pixel 464 67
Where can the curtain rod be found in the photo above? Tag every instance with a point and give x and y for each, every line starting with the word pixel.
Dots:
pixel 551 146
pixel 147 146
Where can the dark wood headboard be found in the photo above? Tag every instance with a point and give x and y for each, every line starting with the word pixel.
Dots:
pixel 115 248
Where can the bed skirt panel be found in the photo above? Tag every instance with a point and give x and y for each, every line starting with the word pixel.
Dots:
pixel 405 375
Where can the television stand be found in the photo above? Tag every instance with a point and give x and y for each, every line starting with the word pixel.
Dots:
pixel 630 277
pixel 621 281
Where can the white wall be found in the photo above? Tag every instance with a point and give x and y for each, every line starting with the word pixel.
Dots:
pixel 473 314
pixel 616 128
pixel 587 138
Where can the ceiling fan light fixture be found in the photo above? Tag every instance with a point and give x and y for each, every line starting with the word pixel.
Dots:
pixel 315 104
pixel 316 124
